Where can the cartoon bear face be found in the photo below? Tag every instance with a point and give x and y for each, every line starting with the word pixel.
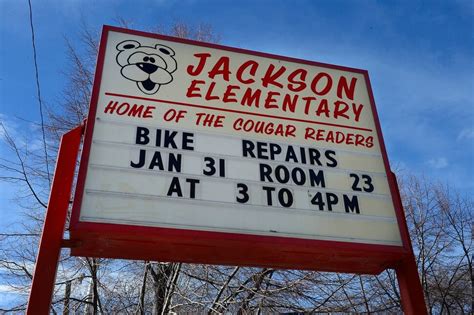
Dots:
pixel 150 67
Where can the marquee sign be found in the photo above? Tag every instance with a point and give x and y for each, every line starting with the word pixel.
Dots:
pixel 203 153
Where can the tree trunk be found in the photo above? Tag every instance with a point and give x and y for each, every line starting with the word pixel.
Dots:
pixel 141 302
pixel 67 297
pixel 160 274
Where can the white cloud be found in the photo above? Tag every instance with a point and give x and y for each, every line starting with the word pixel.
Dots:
pixel 7 289
pixel 9 125
pixel 11 297
pixel 25 134
pixel 438 163
pixel 466 133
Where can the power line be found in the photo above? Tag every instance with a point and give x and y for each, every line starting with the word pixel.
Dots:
pixel 39 91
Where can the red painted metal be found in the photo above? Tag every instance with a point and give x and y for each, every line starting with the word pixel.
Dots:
pixel 164 244
pixel 44 275
pixel 411 292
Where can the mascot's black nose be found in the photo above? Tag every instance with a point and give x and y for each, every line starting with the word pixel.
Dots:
pixel 147 67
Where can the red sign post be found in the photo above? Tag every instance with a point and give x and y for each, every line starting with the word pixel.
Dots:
pixel 310 190
pixel 44 276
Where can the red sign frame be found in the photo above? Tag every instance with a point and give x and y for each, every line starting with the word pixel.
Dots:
pixel 191 246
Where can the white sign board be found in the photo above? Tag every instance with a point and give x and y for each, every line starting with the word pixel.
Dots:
pixel 202 138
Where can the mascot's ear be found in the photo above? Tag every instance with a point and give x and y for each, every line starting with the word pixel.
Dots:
pixel 128 44
pixel 164 49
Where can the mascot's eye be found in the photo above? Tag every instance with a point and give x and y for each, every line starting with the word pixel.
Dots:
pixel 165 51
pixel 128 46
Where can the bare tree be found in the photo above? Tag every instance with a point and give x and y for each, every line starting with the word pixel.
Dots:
pixel 440 224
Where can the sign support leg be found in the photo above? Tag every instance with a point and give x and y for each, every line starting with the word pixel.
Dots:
pixel 44 276
pixel 411 292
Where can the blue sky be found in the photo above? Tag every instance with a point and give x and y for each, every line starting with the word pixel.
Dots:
pixel 419 55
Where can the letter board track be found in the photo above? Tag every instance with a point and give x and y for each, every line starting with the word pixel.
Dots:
pixel 187 136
